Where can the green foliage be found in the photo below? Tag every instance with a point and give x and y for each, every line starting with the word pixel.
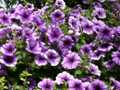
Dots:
pixel 3 85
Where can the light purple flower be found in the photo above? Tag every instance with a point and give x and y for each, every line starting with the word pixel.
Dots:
pixel 41 59
pixel 52 57
pixel 71 61
pixel 105 34
pixel 57 16
pixel 8 48
pixel 54 33
pixel 33 46
pixel 99 13
pixel 73 23
pixel 46 84
pixel 97 55
pixel 87 27
pixel 4 32
pixel 109 64
pixel 105 47
pixel 116 57
pixel 98 85
pixel 87 85
pixel 9 61
pixel 93 69
pixel 4 19
pixel 66 42
pixel 86 49
pixel 60 4
pixel 75 84
pixel 63 77
pixel 116 84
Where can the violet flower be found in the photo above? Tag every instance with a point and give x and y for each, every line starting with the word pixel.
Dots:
pixel 71 61
pixel 46 84
pixel 63 77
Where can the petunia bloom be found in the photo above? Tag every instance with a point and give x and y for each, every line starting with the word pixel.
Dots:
pixel 75 84
pixel 57 16
pixel 9 61
pixel 71 61
pixel 116 57
pixel 63 77
pixel 53 57
pixel 46 84
pixel 98 85
pixel 8 49
pixel 41 59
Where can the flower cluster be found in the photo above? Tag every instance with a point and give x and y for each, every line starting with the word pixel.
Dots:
pixel 68 41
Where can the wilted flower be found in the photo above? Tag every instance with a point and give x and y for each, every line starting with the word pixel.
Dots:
pixel 71 60
pixel 46 84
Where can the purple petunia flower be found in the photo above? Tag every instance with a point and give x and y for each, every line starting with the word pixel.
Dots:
pixel 87 27
pixel 9 61
pixel 105 34
pixel 105 47
pixel 8 49
pixel 98 85
pixel 52 57
pixel 32 83
pixel 116 84
pixel 109 64
pixel 87 86
pixel 93 69
pixel 46 84
pixel 4 19
pixel 73 23
pixel 63 77
pixel 75 84
pixel 99 13
pixel 41 59
pixel 33 46
pixel 98 25
pixel 71 60
pixel 97 54
pixel 86 49
pixel 60 4
pixel 57 16
pixel 66 42
pixel 116 57
pixel 4 32
pixel 54 33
